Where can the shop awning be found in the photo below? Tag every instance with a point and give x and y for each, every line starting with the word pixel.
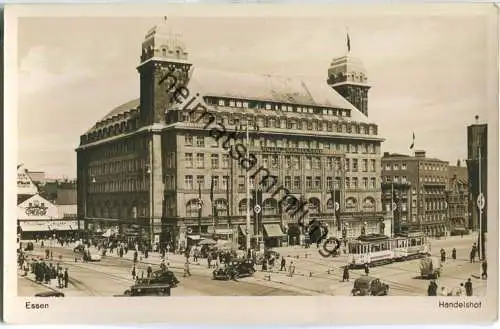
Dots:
pixel 34 226
pixel 273 230
pixel 243 229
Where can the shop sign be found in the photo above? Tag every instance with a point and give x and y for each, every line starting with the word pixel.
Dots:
pixel 36 210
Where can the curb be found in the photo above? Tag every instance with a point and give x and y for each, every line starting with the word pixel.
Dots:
pixel 41 284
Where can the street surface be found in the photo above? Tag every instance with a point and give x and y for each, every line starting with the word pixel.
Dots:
pixel 315 275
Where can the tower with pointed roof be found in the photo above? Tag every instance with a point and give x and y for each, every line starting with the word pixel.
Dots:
pixel 163 69
pixel 347 76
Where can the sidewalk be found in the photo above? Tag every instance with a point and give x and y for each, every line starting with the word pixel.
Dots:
pixel 71 291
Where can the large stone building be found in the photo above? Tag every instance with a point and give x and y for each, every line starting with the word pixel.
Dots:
pixel 417 185
pixel 144 166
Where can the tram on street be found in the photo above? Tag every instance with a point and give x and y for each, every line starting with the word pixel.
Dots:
pixel 378 249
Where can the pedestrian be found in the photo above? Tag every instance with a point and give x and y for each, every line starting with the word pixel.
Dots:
pixel 283 264
pixel 454 254
pixel 432 289
pixel 367 269
pixel 66 278
pixel 468 287
pixel 460 290
pixel 290 269
pixel 135 256
pixel 473 253
pixel 150 271
pixel 264 265
pixel 345 276
pixel 443 255
pixel 60 278
pixel 186 269
pixel 444 291
pixel 484 265
pixel 209 260
pixel 472 256
pixel 133 272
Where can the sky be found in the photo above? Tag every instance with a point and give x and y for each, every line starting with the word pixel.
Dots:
pixel 429 74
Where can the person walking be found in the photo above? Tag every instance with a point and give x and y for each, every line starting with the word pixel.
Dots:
pixel 283 264
pixel 444 291
pixel 367 269
pixel 460 290
pixel 186 269
pixel 345 276
pixel 468 287
pixel 149 271
pixel 473 253
pixel 484 266
pixel 135 256
pixel 443 255
pixel 290 269
pixel 432 289
pixel 209 260
pixel 454 254
pixel 66 278
pixel 133 272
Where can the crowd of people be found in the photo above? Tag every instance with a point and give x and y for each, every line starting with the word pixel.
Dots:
pixel 43 270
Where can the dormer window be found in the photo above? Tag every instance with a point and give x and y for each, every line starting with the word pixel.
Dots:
pixel 231 103
pixel 222 102
pixel 268 106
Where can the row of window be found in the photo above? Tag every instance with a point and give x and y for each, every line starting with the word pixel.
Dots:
pixel 363 148
pixel 423 166
pixel 395 166
pixel 290 182
pixel 116 167
pixel 290 161
pixel 124 185
pixel 234 119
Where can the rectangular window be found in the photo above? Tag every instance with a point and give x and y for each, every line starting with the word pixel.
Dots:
pixel 288 181
pixel 373 164
pixel 404 179
pixel 317 182
pixel 188 182
pixel 225 182
pixel 365 165
pixel 347 182
pixel 308 163
pixel 296 182
pixel 241 182
pixel 215 181
pixel 347 165
pixel 329 182
pixel 200 181
pixel 308 182
pixel 288 162
pixel 373 182
pixel 387 166
pixel 296 162
pixel 365 182
pixel 200 160
pixel 315 163
pixel 215 161
pixel 188 140
pixel 274 161
pixel 189 160
pixel 354 165
pixel 225 161
pixel 355 182
pixel 330 163
pixel 200 141
pixel 265 161
pixel 403 166
pixel 396 166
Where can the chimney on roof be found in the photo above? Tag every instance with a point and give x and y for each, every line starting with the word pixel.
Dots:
pixel 420 154
pixel 386 154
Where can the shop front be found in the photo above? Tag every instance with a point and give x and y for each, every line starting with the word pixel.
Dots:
pixel 273 235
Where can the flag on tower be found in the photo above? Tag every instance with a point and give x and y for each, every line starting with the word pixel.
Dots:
pixel 413 142
pixel 348 42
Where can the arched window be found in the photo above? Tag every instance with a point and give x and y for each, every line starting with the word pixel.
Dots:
pixel 314 205
pixel 369 203
pixel 220 207
pixel 270 207
pixel 350 204
pixel 242 207
pixel 192 208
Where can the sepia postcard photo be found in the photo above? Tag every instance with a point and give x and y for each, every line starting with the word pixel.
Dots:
pixel 297 164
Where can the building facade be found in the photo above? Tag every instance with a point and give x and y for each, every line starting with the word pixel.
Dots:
pixel 146 165
pixel 477 166
pixel 458 199
pixel 417 186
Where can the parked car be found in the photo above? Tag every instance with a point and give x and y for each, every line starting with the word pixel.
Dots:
pixel 369 286
pixel 144 289
pixel 240 269
pixel 49 294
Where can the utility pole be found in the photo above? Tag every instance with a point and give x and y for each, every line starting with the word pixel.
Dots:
pixel 480 204
pixel 247 177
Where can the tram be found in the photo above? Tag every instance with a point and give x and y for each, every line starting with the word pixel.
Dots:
pixel 377 249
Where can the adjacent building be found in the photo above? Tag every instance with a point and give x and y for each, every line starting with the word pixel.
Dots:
pixel 457 196
pixel 154 167
pixel 414 190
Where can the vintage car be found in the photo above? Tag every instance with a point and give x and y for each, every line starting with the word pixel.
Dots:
pixel 49 294
pixel 164 277
pixel 237 269
pixel 369 286
pixel 430 268
pixel 145 289
pixel 89 255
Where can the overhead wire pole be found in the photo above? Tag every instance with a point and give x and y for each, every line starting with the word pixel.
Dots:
pixel 480 206
pixel 247 155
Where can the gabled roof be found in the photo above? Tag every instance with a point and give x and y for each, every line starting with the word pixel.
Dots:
pixel 259 87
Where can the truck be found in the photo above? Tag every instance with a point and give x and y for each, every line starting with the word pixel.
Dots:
pixel 430 268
